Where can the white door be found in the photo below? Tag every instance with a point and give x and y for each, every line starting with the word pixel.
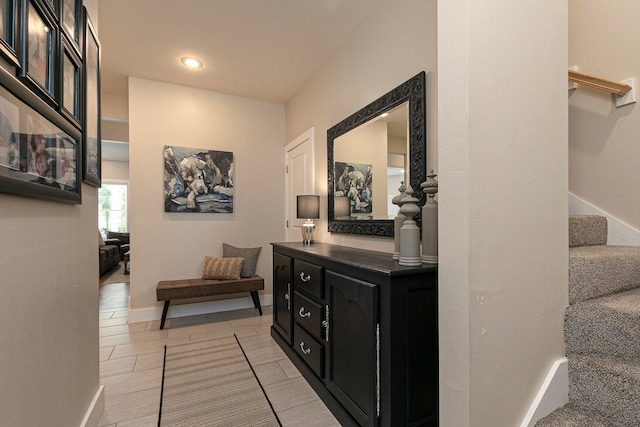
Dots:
pixel 299 180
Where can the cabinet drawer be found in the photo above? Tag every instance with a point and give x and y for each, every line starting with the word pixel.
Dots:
pixel 308 278
pixel 309 315
pixel 309 350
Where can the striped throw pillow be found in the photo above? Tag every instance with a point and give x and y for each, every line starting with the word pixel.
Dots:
pixel 222 268
pixel 250 256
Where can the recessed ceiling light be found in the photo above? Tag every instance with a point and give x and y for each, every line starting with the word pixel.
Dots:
pixel 384 114
pixel 191 62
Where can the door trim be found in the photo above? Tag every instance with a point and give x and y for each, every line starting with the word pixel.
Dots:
pixel 306 138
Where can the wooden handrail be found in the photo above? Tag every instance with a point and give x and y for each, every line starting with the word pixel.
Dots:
pixel 617 88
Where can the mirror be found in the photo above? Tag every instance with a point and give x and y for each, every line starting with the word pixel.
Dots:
pixel 369 153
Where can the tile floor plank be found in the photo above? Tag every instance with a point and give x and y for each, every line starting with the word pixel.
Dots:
pixel 121 366
pixel 132 355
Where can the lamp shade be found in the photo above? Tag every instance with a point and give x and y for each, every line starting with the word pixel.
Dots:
pixel 308 207
pixel 341 207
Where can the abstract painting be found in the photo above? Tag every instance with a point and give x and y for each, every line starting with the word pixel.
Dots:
pixel 197 180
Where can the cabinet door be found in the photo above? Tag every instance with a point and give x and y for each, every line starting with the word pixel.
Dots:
pixel 282 296
pixel 353 355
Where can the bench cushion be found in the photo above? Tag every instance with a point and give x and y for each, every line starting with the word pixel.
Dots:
pixel 168 290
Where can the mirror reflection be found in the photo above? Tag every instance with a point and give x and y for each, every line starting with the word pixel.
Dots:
pixel 369 163
pixel 369 153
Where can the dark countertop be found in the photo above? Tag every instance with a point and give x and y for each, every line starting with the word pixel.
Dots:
pixel 380 262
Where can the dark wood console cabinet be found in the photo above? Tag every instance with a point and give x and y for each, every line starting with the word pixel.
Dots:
pixel 361 329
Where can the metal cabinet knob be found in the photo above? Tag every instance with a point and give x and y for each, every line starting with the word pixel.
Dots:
pixel 303 314
pixel 304 350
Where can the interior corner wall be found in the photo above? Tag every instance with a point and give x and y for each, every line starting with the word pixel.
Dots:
pixel 503 160
pixel 396 41
pixel 173 245
pixel 603 140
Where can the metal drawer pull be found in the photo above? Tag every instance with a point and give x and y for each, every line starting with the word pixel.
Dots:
pixel 325 323
pixel 304 350
pixel 305 279
pixel 287 296
pixel 303 314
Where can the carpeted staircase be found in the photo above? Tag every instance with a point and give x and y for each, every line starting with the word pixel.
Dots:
pixel 602 330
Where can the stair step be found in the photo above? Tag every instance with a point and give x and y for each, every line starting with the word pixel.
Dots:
pixel 595 271
pixel 587 230
pixel 609 388
pixel 606 326
pixel 570 416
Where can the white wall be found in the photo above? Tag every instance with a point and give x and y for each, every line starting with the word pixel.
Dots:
pixel 393 43
pixel 502 145
pixel 113 171
pixel 49 308
pixel 173 245
pixel 604 147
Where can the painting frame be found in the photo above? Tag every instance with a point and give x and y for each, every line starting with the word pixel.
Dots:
pixel 51 5
pixel 40 50
pixel 71 19
pixel 70 83
pixel 59 178
pixel 9 31
pixel 91 140
pixel 198 180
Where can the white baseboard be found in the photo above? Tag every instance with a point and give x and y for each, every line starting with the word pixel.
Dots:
pixel 553 394
pixel 619 233
pixel 94 412
pixel 196 308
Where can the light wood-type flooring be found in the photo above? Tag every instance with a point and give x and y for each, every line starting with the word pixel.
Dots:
pixel 131 364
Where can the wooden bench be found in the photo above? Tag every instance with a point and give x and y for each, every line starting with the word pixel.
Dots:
pixel 170 290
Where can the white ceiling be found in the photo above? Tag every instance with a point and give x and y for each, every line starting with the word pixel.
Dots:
pixel 262 49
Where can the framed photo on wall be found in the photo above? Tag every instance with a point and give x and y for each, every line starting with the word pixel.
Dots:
pixel 70 15
pixel 70 83
pixel 39 149
pixel 91 170
pixel 52 5
pixel 9 13
pixel 40 49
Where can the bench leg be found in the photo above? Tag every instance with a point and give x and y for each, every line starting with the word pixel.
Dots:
pixel 256 301
pixel 164 313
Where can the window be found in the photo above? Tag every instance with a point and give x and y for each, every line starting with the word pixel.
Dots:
pixel 112 208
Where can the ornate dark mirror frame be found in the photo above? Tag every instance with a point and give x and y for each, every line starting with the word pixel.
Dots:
pixel 413 90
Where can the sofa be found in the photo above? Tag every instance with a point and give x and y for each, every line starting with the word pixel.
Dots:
pixel 108 253
pixel 123 238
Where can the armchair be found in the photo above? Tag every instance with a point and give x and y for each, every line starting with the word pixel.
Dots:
pixel 122 238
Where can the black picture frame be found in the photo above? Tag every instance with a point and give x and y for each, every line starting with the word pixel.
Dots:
pixel 52 5
pixel 91 141
pixel 412 91
pixel 70 19
pixel 10 30
pixel 40 151
pixel 40 50
pixel 70 83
